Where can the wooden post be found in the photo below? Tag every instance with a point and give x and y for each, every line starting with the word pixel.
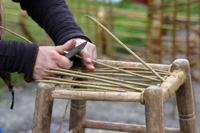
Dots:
pixel 43 108
pixel 154 110
pixel 77 115
pixel 185 99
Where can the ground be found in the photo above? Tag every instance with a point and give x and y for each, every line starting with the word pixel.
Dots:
pixel 19 120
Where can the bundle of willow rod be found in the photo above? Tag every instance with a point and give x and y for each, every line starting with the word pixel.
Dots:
pixel 120 82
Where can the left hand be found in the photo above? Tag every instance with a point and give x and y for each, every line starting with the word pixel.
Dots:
pixel 88 53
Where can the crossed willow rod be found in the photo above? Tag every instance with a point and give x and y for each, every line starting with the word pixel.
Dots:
pixel 94 78
pixel 83 82
pixel 83 89
pixel 127 68
pixel 121 70
pixel 121 74
pixel 83 85
pixel 100 77
pixel 86 82
pixel 124 46
pixel 114 71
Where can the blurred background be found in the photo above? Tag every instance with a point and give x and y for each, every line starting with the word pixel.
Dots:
pixel 159 31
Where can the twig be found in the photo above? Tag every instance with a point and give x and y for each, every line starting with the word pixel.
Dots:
pixel 15 34
pixel 124 46
pixel 64 116
pixel 81 85
pixel 83 82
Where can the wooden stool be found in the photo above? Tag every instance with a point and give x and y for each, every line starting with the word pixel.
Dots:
pixel 179 82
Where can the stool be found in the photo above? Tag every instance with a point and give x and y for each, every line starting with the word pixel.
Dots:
pixel 153 97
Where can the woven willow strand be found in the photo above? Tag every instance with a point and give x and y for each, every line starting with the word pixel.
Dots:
pixel 93 78
pixel 121 70
pixel 82 85
pixel 124 46
pixel 101 77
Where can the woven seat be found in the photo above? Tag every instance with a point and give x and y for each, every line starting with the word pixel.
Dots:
pixel 152 94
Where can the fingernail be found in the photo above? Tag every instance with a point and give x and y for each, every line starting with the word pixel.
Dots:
pixel 92 67
pixel 88 60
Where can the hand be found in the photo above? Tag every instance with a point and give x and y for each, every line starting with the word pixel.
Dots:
pixel 51 57
pixel 88 53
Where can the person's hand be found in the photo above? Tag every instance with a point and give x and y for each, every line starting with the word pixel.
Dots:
pixel 88 53
pixel 51 57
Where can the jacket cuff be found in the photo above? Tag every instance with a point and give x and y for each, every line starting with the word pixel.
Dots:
pixel 30 78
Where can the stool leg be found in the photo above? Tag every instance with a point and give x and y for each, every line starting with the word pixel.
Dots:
pixel 77 116
pixel 185 99
pixel 154 110
pixel 43 108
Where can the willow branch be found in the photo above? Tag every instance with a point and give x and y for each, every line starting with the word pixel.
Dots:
pixel 82 85
pixel 124 46
pixel 100 77
pixel 15 34
pixel 121 70
pixel 93 78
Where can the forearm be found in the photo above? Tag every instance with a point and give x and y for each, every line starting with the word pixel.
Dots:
pixel 16 56
pixel 55 17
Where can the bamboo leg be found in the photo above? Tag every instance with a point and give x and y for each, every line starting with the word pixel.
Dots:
pixel 43 108
pixel 154 110
pixel 185 99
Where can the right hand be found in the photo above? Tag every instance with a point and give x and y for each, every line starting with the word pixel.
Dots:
pixel 50 57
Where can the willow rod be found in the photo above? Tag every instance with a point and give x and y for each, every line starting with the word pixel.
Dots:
pixel 82 82
pixel 124 46
pixel 103 80
pixel 121 70
pixel 126 68
pixel 83 89
pixel 101 77
pixel 81 85
pixel 136 80
pixel 122 74
pixel 15 34
pixel 96 83
pixel 63 116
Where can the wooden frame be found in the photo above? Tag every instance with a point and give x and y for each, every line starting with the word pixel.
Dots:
pixel 153 98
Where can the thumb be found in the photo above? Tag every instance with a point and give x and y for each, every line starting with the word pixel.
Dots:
pixel 64 63
pixel 65 47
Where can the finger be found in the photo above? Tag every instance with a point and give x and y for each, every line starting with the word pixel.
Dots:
pixel 88 62
pixel 39 75
pixel 65 47
pixel 64 63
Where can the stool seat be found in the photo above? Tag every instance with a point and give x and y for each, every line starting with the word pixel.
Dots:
pixel 152 94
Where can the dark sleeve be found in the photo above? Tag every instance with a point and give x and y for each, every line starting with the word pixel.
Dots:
pixel 54 17
pixel 17 56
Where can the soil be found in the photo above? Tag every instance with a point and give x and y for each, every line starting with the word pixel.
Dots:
pixel 19 120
